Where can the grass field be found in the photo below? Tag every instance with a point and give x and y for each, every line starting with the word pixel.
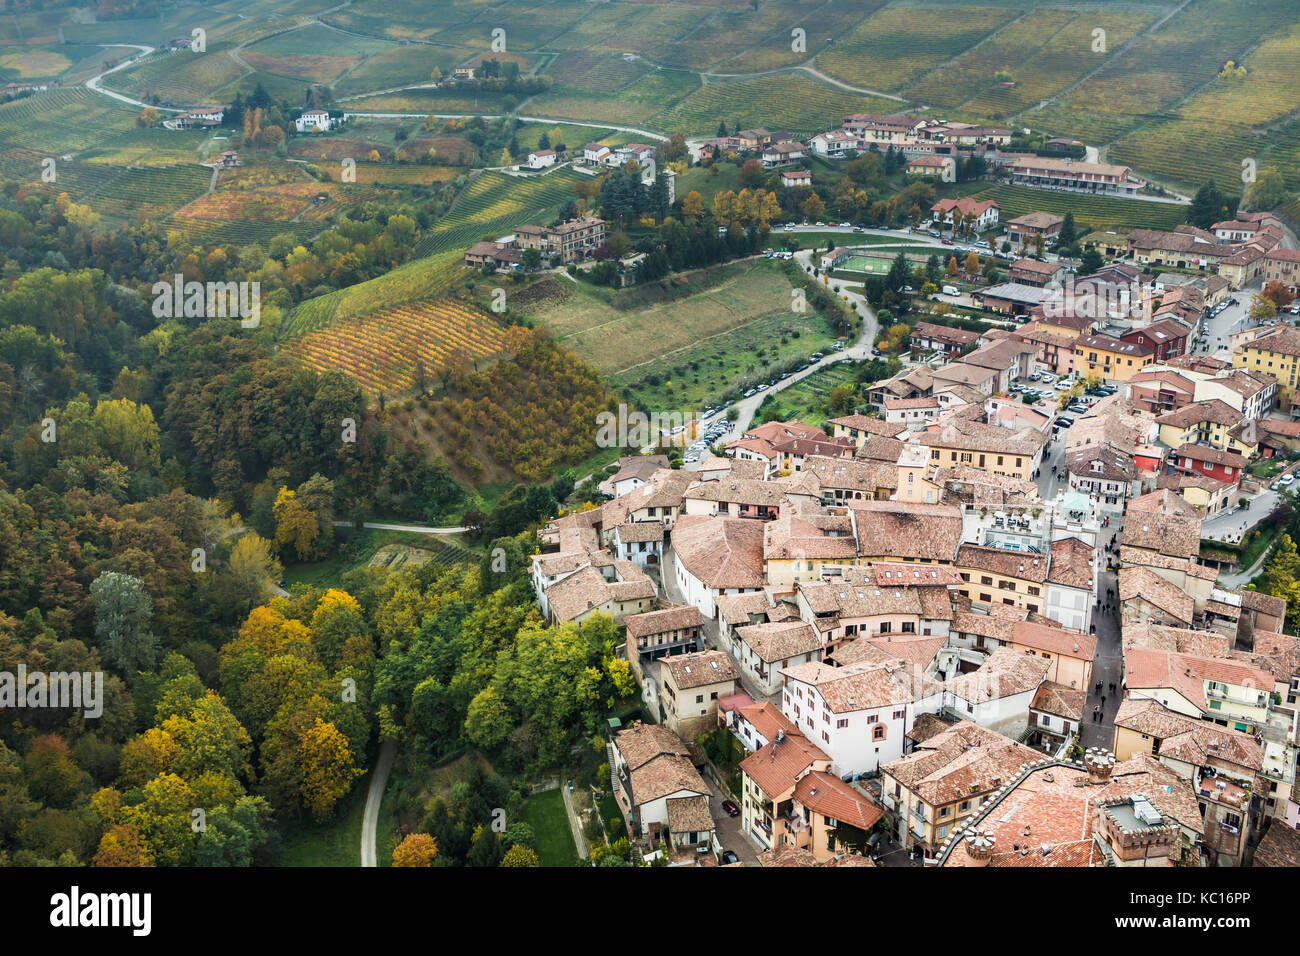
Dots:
pixel 337 843
pixel 545 813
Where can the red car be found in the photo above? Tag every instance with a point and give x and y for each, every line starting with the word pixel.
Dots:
pixel 947 242
pixel 731 808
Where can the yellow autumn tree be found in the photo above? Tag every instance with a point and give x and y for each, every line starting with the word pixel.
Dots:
pixel 416 849
pixel 271 632
pixel 693 206
pixel 295 526
pixel 327 771
pixel 519 855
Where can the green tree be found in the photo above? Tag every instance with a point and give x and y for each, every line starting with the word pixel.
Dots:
pixel 123 615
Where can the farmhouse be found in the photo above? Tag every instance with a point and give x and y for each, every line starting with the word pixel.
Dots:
pixel 313 121
pixel 980 215
pixel 595 153
pixel 793 178
pixel 200 117
pixel 835 144
pixel 541 158
pixel 568 242
pixel 929 165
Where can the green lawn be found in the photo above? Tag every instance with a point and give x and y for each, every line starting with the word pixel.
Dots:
pixel 805 401
pixel 337 843
pixel 613 818
pixel 545 813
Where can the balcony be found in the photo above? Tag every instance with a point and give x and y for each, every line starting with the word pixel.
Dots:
pixel 1223 791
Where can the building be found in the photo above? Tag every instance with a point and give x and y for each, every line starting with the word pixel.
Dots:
pixel 568 242
pixel 1097 178
pixel 991 448
pixel 716 555
pixel 1103 473
pixel 778 154
pixel 1167 337
pixel 767 651
pixel 1023 230
pixel 1012 298
pixel 795 178
pixel 1277 353
pixel 651 767
pixel 1104 356
pixel 690 685
pixel 655 634
pixel 595 153
pixel 930 166
pixel 1055 715
pixel 978 215
pixel 1283 265
pixel 541 158
pixel 313 121
pixel 1035 272
pixel 944 339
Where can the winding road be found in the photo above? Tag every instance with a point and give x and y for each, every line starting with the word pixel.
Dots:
pixel 375 796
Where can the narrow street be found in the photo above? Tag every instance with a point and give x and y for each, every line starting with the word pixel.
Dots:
pixel 1108 664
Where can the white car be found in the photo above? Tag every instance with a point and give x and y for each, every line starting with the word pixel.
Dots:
pixel 1286 480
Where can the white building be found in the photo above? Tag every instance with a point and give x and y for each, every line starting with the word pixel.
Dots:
pixel 541 158
pixel 313 121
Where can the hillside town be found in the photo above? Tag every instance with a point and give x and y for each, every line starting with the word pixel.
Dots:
pixel 981 596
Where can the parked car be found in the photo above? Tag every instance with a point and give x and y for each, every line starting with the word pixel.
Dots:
pixel 750 392
pixel 947 241
pixel 1286 480
pixel 729 856
pixel 1063 420
pixel 731 808
pixel 762 388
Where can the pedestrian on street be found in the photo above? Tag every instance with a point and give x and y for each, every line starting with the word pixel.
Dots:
pixel 1099 687
pixel 1103 700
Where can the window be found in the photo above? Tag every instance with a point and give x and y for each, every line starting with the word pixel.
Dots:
pixel 841 723
pixel 872 718
pixel 985 579
pixel 699 698
pixel 885 627
pixel 986 598
pixel 878 732
pixel 965 805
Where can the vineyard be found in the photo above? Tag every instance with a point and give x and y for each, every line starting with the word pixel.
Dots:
pixel 496 202
pixel 131 194
pixel 898 44
pixel 216 231
pixel 429 278
pixel 178 77
pixel 397 67
pixel 743 40
pixel 1097 212
pixel 300 66
pixel 788 102
pixel 63 120
pixel 595 72
pixel 384 350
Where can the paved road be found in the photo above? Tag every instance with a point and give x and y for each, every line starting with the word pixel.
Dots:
pixel 413 528
pixel 1108 664
pixel 729 831
pixel 375 796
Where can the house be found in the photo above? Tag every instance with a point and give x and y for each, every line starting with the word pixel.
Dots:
pixel 652 766
pixel 633 471
pixel 690 687
pixel 944 339
pixel 790 800
pixel 1231 693
pixel 604 585
pixel 1055 715
pixel 464 72
pixel 570 241
pixel 778 154
pixel 930 166
pixel 661 633
pixel 499 255
pixel 978 215
pixel 595 153
pixel 858 713
pixel 836 144
pixel 313 121
pixel 1036 273
pixel 1225 466
pixel 640 542
pixel 1168 337
pixel 946 779
pixel 1070 174
pixel 716 555
pixel 756 725
pixel 1104 473
pixel 203 117
pixel 1023 230
pixel 753 139
pixel 1053 813
pixel 1282 265
pixel 1222 765
pixel 1146 596
pixel 1068 654
pixel 767 651
pixel 1277 353
pixel 639 153
pixel 992 448
pixel 893 531
pixel 997 695
pixel 229 159
pixel 541 158
pixel 1104 356
pixel 794 178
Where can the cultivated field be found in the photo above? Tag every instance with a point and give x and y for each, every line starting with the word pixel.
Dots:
pixel 383 350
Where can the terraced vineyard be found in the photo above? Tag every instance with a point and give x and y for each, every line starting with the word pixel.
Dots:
pixel 129 194
pixel 791 102
pixel 382 350
pixel 178 77
pixel 496 202
pixel 898 44
pixel 238 232
pixel 428 278
pixel 63 120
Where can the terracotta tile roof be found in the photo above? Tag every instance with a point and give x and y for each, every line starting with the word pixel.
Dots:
pixel 641 743
pixel 986 625
pixel 1280 846
pixel 832 797
pixel 925 726
pixel 1185 673
pixel 635 531
pixel 860 650
pixel 1005 673
pixel 862 600
pixel 925 576
pixel 699 669
pixel 775 767
pixel 1264 603
pixel 963 761
pixel 864 685
pixel 1169 529
pixel 1056 640
pixel 663 775
pixel 1189 739
pixel 1071 564
pixel 767 719
pixel 965 435
pixel 920 652
pixel 1059 700
pixel 736 608
pixel 781 431
pixel 1115 465
pixel 1159 637
pixel 689 815
pixel 865 423
pixel 743 491
pixel 901 529
pixel 662 621
pixel 1278 653
pixel 1213 456
pixel 852 474
pixel 779 641
pixel 720 552
pixel 881 448
pixel 1145 584
pixel 587 589
pixel 790 536
pixel 1014 564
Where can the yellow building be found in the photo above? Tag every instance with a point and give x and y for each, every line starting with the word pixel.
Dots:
pixel 1214 423
pixel 1276 352
pixel 859 428
pixel 991 448
pixel 1110 358
pixel 998 576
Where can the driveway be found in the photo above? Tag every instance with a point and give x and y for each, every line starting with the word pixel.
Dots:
pixel 730 834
